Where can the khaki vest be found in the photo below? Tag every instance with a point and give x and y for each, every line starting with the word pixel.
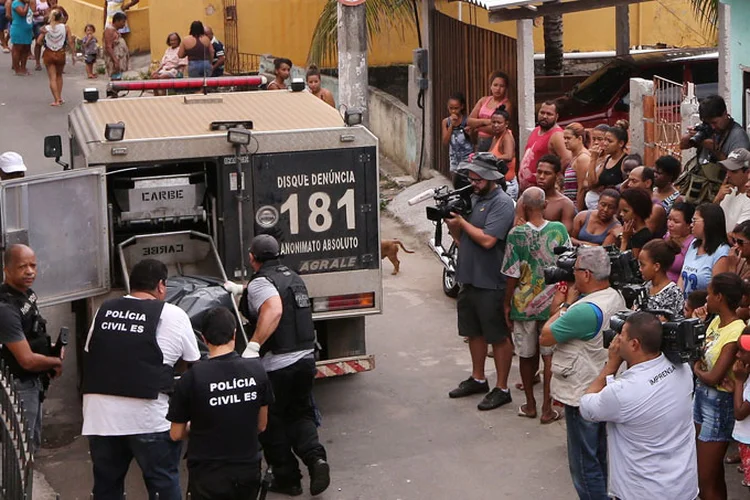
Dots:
pixel 577 363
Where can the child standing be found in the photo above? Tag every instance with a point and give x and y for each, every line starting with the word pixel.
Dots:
pixel 456 132
pixel 90 49
pixel 282 67
pixel 741 389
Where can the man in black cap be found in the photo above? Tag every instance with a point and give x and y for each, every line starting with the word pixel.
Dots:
pixel 225 399
pixel 277 302
pixel 481 319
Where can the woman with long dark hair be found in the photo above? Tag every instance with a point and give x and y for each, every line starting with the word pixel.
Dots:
pixel 615 141
pixel 713 406
pixel 655 259
pixel 635 208
pixel 199 50
pixel 707 255
pixel 576 141
pixel 504 148
pixel 480 118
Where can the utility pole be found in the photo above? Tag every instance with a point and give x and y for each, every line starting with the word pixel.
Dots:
pixel 352 44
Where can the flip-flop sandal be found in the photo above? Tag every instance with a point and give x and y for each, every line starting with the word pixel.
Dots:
pixel 556 415
pixel 522 413
pixel 740 469
pixel 745 484
pixel 55 104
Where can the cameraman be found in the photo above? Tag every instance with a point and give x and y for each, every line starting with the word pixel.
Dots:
pixel 648 410
pixel 576 330
pixel 481 241
pixel 725 134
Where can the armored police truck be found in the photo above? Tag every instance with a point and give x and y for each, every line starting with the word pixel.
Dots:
pixel 189 180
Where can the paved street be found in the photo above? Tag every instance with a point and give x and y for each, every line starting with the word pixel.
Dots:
pixel 392 433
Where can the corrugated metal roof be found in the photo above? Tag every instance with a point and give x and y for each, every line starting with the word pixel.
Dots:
pixel 504 4
pixel 171 116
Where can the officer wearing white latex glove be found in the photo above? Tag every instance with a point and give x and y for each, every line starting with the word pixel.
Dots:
pixel 233 288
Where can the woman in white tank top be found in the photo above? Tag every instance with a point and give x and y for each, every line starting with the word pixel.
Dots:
pixel 56 38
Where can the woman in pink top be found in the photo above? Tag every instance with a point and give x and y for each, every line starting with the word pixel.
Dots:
pixel 480 117
pixel 679 231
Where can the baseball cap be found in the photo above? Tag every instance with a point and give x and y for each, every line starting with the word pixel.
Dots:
pixel 264 247
pixel 485 165
pixel 737 160
pixel 11 162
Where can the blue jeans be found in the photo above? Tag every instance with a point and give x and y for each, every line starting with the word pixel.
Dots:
pixel 199 69
pixel 587 455
pixel 157 456
pixel 30 392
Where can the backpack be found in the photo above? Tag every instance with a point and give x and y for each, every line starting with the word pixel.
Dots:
pixel 700 183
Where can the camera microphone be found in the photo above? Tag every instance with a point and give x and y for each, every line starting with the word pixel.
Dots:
pixel 426 195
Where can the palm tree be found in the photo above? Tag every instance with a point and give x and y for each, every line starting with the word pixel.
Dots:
pixel 707 12
pixel 381 15
pixel 553 44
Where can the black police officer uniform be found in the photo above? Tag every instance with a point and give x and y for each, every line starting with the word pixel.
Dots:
pixel 31 385
pixel 221 398
pixel 123 357
pixel 291 417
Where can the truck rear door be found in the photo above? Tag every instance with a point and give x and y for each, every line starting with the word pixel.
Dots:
pixel 63 218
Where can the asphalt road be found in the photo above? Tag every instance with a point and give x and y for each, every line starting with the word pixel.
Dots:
pixel 391 433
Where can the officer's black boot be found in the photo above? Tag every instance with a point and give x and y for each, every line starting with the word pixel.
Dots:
pixel 320 476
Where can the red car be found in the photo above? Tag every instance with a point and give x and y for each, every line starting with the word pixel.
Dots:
pixel 604 97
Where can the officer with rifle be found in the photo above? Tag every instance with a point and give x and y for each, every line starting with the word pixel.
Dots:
pixel 26 348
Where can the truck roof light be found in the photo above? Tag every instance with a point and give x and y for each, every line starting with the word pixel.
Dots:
pixel 298 85
pixel 353 116
pixel 90 94
pixel 239 136
pixel 114 131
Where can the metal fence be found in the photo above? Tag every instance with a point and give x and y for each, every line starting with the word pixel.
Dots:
pixel 462 60
pixel 668 97
pixel 16 458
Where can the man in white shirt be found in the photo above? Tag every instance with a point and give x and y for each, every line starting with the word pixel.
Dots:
pixel 648 410
pixel 129 358
pixel 732 198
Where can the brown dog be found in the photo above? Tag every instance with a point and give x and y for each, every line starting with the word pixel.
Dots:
pixel 389 248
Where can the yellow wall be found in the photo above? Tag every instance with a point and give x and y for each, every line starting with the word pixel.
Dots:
pixel 82 12
pixel 279 27
pixel 666 21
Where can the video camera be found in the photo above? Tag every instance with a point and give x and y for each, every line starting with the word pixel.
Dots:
pixel 457 201
pixel 681 340
pixel 624 274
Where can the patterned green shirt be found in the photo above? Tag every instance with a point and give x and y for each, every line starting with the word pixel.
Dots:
pixel 528 251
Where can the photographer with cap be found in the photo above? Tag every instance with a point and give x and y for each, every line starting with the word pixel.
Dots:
pixel 648 410
pixel 11 166
pixel 732 198
pixel 277 303
pixel 481 241
pixel 575 329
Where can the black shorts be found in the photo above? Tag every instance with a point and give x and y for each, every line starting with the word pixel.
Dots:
pixel 480 314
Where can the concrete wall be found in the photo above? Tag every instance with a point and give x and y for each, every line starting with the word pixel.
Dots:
pixel 739 52
pixel 666 21
pixel 83 12
pixel 397 129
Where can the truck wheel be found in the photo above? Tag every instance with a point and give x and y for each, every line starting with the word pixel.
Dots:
pixel 450 286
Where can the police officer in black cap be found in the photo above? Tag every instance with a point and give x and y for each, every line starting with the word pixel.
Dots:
pixel 225 399
pixel 26 348
pixel 276 301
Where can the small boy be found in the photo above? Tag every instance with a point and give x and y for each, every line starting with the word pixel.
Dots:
pixel 90 50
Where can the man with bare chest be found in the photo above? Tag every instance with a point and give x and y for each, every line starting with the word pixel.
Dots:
pixel 558 206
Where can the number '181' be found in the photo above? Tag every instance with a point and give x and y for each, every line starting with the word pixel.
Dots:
pixel 320 218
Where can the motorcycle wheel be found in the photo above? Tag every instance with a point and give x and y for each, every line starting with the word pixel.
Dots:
pixel 450 285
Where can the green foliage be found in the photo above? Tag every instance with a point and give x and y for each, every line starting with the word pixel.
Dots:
pixel 382 15
pixel 707 13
